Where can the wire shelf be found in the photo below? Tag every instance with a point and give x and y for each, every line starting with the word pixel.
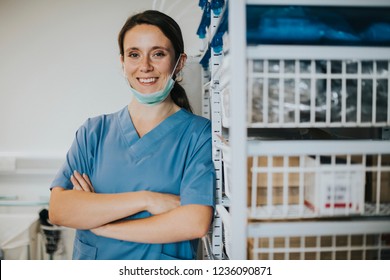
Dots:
pixel 309 179
pixel 316 91
pixel 367 240
pixel 301 211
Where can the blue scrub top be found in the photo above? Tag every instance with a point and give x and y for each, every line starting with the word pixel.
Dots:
pixel 175 157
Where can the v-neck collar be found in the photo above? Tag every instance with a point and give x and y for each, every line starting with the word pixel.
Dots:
pixel 140 145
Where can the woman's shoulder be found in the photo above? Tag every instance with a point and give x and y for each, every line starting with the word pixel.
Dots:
pixel 98 122
pixel 196 119
pixel 197 126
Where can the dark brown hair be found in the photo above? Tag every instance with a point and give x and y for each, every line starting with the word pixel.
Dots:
pixel 173 32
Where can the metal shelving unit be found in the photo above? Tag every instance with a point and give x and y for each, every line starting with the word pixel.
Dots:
pixel 211 109
pixel 306 199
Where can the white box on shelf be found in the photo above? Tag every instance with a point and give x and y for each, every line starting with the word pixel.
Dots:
pixel 335 189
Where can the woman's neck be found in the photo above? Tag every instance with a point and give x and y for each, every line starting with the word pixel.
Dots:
pixel 145 117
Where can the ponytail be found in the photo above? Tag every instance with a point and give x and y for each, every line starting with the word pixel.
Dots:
pixel 179 96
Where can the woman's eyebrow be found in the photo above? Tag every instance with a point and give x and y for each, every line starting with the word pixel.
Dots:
pixel 131 49
pixel 152 48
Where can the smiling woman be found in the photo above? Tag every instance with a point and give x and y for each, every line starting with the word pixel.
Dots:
pixel 139 183
pixel 150 47
pixel 147 64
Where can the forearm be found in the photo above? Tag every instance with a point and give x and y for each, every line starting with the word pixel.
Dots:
pixel 86 210
pixel 183 223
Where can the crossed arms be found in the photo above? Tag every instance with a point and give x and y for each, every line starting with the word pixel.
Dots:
pixel 82 208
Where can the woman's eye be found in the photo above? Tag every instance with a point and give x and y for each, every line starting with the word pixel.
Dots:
pixel 159 54
pixel 133 55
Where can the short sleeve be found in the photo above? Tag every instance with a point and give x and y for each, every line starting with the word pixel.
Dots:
pixel 198 183
pixel 77 158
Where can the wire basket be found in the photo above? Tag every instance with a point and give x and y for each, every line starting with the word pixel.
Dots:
pixel 336 240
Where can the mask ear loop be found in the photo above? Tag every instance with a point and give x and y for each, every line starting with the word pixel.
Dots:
pixel 178 76
pixel 174 68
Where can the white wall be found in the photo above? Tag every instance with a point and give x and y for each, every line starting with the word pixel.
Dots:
pixel 59 64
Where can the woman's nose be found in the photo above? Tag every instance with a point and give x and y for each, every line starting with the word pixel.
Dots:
pixel 146 66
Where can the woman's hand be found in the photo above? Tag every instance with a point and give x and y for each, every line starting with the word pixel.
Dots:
pixel 81 182
pixel 158 203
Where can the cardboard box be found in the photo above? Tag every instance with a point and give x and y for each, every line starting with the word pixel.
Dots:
pixel 384 182
pixel 327 247
pixel 384 195
pixel 277 178
pixel 277 196
pixel 373 179
pixel 260 179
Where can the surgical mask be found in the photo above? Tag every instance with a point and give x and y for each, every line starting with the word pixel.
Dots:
pixel 155 97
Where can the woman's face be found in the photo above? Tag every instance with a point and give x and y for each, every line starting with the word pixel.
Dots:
pixel 149 58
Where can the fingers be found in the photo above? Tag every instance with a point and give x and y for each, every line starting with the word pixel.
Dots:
pixel 175 199
pixel 159 203
pixel 81 182
pixel 85 176
pixel 76 185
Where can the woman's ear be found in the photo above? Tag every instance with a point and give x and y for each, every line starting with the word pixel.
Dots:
pixel 122 61
pixel 123 66
pixel 183 59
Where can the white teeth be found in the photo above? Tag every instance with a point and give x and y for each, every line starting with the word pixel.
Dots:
pixel 148 80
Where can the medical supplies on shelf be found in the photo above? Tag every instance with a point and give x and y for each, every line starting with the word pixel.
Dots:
pixel 308 179
pixel 317 92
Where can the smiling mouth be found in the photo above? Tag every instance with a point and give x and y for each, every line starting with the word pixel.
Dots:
pixel 147 80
